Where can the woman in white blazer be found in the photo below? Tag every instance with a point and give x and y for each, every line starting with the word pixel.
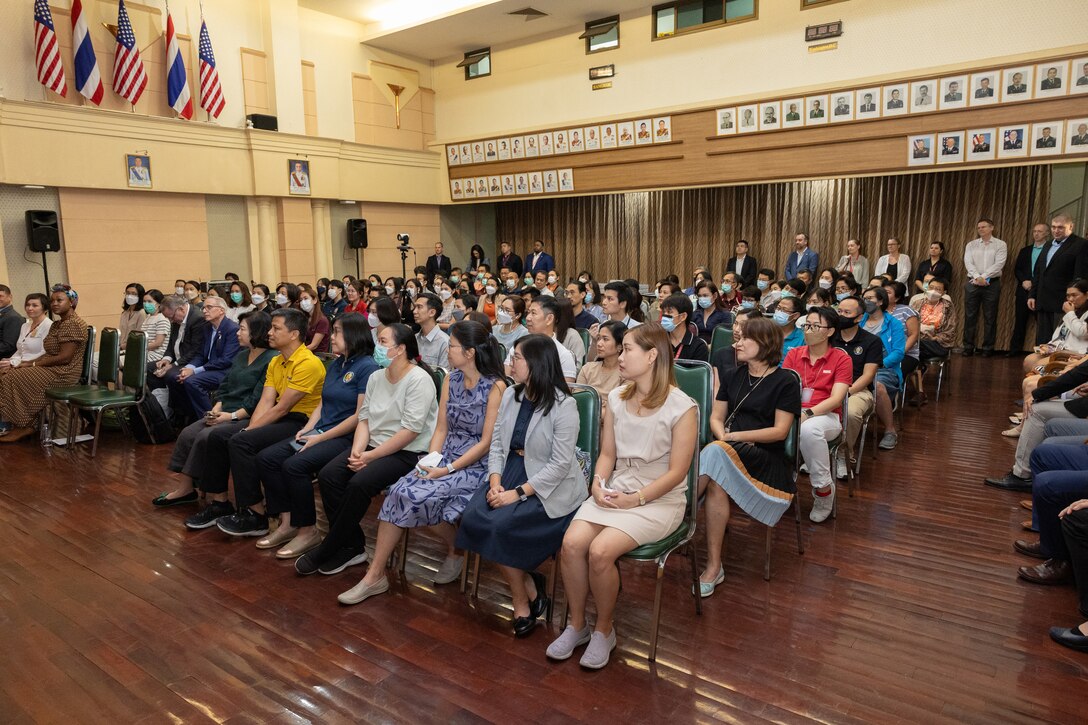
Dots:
pixel 894 263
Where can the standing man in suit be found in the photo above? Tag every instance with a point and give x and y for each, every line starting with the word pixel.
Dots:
pixel 1063 259
pixel 11 324
pixel 539 260
pixel 984 258
pixel 803 257
pixel 508 259
pixel 438 263
pixel 205 371
pixel 1025 270
pixel 743 264
pixel 186 340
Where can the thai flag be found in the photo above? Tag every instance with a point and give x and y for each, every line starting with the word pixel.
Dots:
pixel 47 50
pixel 177 88
pixel 88 79
pixel 211 92
pixel 129 78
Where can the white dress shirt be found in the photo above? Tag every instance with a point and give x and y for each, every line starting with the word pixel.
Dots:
pixel 985 259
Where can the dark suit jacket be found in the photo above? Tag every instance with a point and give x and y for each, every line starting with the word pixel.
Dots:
pixel 1022 269
pixel 867 108
pixel 1049 282
pixel 1079 140
pixel 224 347
pixel 434 266
pixel 981 148
pixel 895 104
pixel 11 322
pixel 949 97
pixel 984 93
pixel 749 269
pixel 1064 383
pixel 1021 88
pixel 512 261
pixel 544 264
pixel 1049 85
pixel 193 342
pixel 810 260
pixel 1046 143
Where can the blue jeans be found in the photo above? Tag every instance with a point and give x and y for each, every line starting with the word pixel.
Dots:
pixel 1060 469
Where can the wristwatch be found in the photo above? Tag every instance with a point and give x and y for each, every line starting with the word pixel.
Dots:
pixel 521 493
pixel 809 412
pixel 234 417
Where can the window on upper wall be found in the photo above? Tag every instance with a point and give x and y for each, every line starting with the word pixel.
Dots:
pixel 805 4
pixel 603 34
pixel 686 16
pixel 477 63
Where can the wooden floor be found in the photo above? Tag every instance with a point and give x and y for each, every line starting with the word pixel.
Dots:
pixel 905 609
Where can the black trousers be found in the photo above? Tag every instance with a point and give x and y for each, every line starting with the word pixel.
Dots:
pixel 346 495
pixel 1020 327
pixel 235 453
pixel 930 349
pixel 1045 324
pixel 289 476
pixel 1075 530
pixel 986 298
pixel 189 450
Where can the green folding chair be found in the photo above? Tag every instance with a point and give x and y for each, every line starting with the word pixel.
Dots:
pixel 696 379
pixel 439 375
pixel 584 334
pixel 111 349
pixel 792 458
pixel 722 337
pixel 129 395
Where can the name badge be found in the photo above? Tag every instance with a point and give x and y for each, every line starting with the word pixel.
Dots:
pixel 806 395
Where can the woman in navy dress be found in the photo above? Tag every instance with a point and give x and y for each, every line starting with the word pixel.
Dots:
pixel 708 311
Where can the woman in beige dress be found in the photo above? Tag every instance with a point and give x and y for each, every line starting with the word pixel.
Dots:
pixel 648 438
pixel 603 374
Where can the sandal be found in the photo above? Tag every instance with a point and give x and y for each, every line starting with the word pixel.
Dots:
pixel 1011 432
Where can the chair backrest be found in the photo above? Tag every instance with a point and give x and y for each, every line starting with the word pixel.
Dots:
pixel 88 357
pixel 584 334
pixel 135 373
pixel 589 421
pixel 326 357
pixel 694 378
pixel 502 351
pixel 109 355
pixel 791 444
pixel 721 337
pixel 439 375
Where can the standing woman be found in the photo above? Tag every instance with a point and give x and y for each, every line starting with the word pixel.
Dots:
pixel 853 262
pixel 30 345
pixel 261 298
pixel 509 317
pixel 476 258
pixel 239 301
pixel 648 436
pixel 436 496
pixel 934 264
pixel 317 329
pixel 534 481
pixel 22 389
pixel 894 263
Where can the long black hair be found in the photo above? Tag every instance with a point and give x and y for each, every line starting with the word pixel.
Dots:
pixel 403 335
pixel 356 331
pixel 546 379
pixel 140 292
pixel 474 336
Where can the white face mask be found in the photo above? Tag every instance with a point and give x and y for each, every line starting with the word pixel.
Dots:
pixel 825 284
pixel 179 290
pixel 551 279
pixel 130 300
pixel 373 320
pixel 503 317
pixel 390 289
pixel 258 299
pixel 490 289
pixel 332 293
pixel 933 295
pixel 445 294
pixel 192 294
pixel 306 305
pixel 281 300
pixel 511 283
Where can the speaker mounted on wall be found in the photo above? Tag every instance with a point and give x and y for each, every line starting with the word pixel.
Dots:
pixel 263 122
pixel 42 231
pixel 357 233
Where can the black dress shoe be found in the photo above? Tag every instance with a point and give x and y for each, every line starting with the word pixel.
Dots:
pixel 987 353
pixel 1029 548
pixel 1071 638
pixel 539 606
pixel 162 501
pixel 524 626
pixel 968 351
pixel 1051 571
pixel 1010 482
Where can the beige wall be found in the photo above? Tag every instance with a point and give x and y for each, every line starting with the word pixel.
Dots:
pixel 309 97
pixel 384 222
pixel 228 241
pixel 296 240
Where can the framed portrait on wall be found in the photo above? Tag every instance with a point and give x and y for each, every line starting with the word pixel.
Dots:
pixel 536 182
pixel 816 110
pixel 1076 136
pixel 608 136
pixel 1046 138
pixel 577 141
pixel 491 150
pixel 644 131
pixel 504 149
pixel 894 99
pixel 1017 83
pixel 842 108
pixel 544 142
pixel 466 154
pixel 979 145
pixel 453 155
pixel 456 192
pixel 985 89
pixel 592 136
pixel 1011 142
pixel 298 176
pixel 138 171
pixel 481 187
pixel 793 112
pixel 920 150
pixel 521 184
pixel 923 96
pixel 1053 79
pixel 478 152
pixel 551 182
pixel 1078 80
pixel 725 121
pixel 953 93
pixel 494 186
pixel 770 116
pixel 626 131
pixel 532 146
pixel 559 142
pixel 517 147
pixel 748 118
pixel 469 186
pixel 507 184
pixel 662 134
pixel 950 147
pixel 868 103
pixel 566 179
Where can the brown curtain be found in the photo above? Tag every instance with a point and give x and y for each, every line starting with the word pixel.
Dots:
pixel 647 235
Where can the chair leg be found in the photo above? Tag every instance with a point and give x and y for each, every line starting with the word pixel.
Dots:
pixel 940 378
pixel 476 577
pixel 147 425
pixel 97 431
pixel 693 554
pixel 464 571
pixel 402 553
pixel 797 516
pixel 767 560
pixel 554 588
pixel 71 437
pixel 657 610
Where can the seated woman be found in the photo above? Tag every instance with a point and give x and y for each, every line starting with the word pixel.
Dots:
pixel 262 299
pixel 648 437
pixel 819 297
pixel 132 318
pixel 436 496
pixel 355 292
pixel 317 331
pixel 239 301
pixel 396 423
pixel 22 389
pixel 846 286
pixel 335 301
pixel 30 345
pixel 156 327
pixel 1071 336
pixel 709 314
pixel 724 359
pixel 488 302
pixel 288 468
pixel 510 316
pixel 753 412
pixel 535 482
pixel 237 398
pixel 603 374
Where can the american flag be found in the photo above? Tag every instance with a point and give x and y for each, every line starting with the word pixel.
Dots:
pixel 129 78
pixel 47 50
pixel 211 92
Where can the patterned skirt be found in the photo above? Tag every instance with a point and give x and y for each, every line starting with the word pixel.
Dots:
pixel 757 480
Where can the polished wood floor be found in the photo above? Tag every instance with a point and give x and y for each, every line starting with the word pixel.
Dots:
pixel 904 609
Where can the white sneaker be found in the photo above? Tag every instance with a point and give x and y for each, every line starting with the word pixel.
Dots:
pixel 450 571
pixel 889 441
pixel 362 591
pixel 822 506
pixel 564 645
pixel 600 647
pixel 840 468
pixel 803 468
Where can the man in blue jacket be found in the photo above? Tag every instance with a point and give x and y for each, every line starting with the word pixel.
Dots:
pixel 539 260
pixel 889 378
pixel 803 257
pixel 207 368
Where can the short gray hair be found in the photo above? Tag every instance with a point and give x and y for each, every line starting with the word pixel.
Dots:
pixel 216 302
pixel 173 302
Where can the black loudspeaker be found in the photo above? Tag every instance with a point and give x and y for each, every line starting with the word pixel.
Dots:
pixel 263 122
pixel 42 232
pixel 357 233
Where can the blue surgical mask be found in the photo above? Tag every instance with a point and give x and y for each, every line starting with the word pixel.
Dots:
pixel 668 323
pixel 236 297
pixel 706 302
pixel 763 284
pixel 727 288
pixel 925 286
pixel 781 318
pixel 149 308
pixel 748 305
pixel 589 298
pixel 381 356
pixel 787 293
pixel 842 296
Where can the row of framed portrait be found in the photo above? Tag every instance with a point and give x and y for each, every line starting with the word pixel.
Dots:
pixel 1049 138
pixel 641 132
pixel 985 88
pixel 534 182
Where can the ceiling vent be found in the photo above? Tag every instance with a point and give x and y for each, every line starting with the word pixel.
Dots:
pixel 529 13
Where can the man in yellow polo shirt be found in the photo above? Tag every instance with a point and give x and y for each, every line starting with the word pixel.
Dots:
pixel 292 390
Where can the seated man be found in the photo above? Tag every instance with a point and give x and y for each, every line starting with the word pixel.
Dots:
pixel 543 313
pixel 675 312
pixel 185 342
pixel 938 319
pixel 889 378
pixel 1075 530
pixel 193 384
pixel 1047 402
pixel 866 353
pixel 433 342
pixel 786 316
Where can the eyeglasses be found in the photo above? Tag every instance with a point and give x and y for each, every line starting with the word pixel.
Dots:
pixel 812 326
pixel 517 357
